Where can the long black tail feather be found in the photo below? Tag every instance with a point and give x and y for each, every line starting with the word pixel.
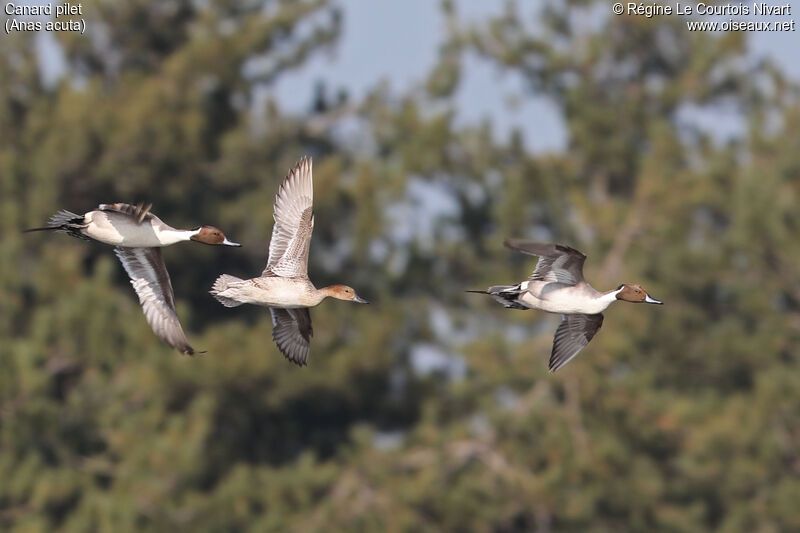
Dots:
pixel 45 228
pixel 505 294
pixel 65 221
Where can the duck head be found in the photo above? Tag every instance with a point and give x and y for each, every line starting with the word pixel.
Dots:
pixel 343 292
pixel 631 292
pixel 212 235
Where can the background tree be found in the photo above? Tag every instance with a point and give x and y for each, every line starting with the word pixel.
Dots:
pixel 430 410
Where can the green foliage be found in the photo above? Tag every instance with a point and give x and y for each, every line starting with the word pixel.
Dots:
pixel 681 418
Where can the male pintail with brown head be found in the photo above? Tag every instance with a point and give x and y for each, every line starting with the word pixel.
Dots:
pixel 138 236
pixel 557 286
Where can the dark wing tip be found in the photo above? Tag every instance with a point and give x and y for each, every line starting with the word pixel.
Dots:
pixel 569 250
pixel 294 358
pixel 291 332
pixel 568 341
pixel 542 249
pixel 557 361
pixel 514 244
pixel 298 167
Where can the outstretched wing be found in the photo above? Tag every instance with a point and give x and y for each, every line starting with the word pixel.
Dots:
pixel 574 332
pixel 557 263
pixel 150 280
pixel 291 331
pixel 294 222
pixel 140 212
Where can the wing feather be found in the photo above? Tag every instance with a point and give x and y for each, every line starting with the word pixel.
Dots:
pixel 574 332
pixel 140 212
pixel 557 263
pixel 294 223
pixel 292 332
pixel 150 280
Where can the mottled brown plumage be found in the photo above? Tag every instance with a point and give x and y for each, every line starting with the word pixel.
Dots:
pixel 284 286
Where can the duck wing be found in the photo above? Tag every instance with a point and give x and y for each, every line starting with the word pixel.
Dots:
pixel 294 222
pixel 150 280
pixel 572 335
pixel 140 212
pixel 292 331
pixel 557 263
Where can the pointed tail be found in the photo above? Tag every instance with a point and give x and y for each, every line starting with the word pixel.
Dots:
pixel 507 295
pixel 66 221
pixel 45 228
pixel 222 284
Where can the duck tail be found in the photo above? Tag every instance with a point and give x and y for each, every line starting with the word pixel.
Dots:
pixel 504 294
pixel 65 221
pixel 222 284
pixel 65 218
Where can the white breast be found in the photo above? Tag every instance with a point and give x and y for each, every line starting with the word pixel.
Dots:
pixel 121 230
pixel 566 300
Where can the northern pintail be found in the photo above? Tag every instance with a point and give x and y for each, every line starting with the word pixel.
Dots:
pixel 284 286
pixel 138 235
pixel 557 286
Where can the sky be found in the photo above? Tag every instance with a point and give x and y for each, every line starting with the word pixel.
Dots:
pixel 398 41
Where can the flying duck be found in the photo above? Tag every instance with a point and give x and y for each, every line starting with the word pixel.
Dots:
pixel 138 236
pixel 557 286
pixel 284 286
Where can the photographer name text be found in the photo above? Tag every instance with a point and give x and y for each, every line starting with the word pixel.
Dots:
pixel 761 15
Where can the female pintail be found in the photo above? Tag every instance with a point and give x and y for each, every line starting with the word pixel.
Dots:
pixel 284 286
pixel 557 286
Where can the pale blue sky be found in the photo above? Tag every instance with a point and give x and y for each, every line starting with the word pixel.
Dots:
pixel 398 41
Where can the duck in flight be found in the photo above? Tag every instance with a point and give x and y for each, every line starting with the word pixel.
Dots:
pixel 284 286
pixel 138 236
pixel 557 286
